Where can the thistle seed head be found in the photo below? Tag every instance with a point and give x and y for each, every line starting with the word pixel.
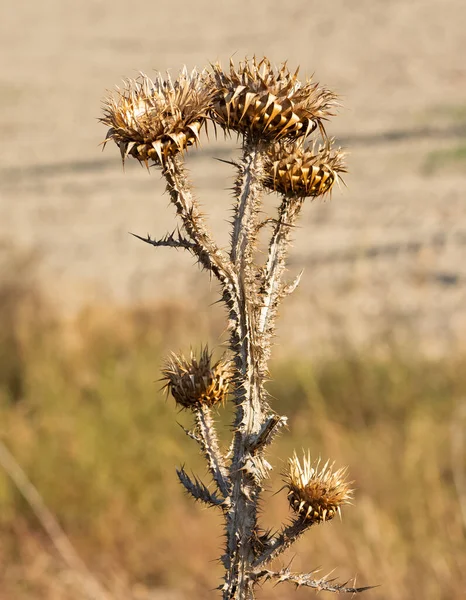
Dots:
pixel 316 493
pixel 154 119
pixel 297 171
pixel 263 102
pixel 197 382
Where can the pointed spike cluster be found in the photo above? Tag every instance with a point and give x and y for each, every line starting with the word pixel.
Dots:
pixel 191 434
pixel 198 490
pixel 154 119
pixel 316 493
pixel 262 538
pixel 268 432
pixel 299 171
pixel 197 382
pixel 266 103
pixel 171 240
pixel 290 287
pixel 324 584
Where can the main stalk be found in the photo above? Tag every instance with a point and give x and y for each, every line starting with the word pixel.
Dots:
pixel 248 392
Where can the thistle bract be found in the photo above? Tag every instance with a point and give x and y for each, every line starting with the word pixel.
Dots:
pixel 265 103
pixel 154 119
pixel 196 382
pixel 315 493
pixel 299 171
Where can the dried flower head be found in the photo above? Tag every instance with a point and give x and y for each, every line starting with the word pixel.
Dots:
pixel 316 494
pixel 263 102
pixel 196 382
pixel 153 119
pixel 298 171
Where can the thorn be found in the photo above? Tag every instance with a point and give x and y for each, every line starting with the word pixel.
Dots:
pixel 289 289
pixel 147 239
pixel 228 162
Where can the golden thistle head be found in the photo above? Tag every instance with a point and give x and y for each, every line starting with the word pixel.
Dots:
pixel 314 493
pixel 197 382
pixel 297 171
pixel 263 102
pixel 154 119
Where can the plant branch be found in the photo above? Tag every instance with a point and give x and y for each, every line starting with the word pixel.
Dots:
pixel 245 222
pixel 191 434
pixel 207 438
pixel 209 254
pixel 198 490
pixel 281 542
pixel 306 580
pixel 288 213
pixel 268 431
pixel 247 469
pixel 290 287
pixel 171 240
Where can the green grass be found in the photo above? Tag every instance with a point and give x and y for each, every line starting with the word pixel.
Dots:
pixel 448 158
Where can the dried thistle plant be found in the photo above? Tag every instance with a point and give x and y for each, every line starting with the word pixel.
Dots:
pixel 274 113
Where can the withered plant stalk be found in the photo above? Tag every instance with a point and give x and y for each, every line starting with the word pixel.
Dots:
pixel 274 114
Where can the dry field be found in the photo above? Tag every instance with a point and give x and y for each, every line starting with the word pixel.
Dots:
pixel 383 264
pixel 387 249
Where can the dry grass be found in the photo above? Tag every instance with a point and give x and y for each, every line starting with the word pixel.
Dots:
pixel 87 421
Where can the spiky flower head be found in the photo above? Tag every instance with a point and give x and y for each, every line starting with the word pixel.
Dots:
pixel 300 171
pixel 260 101
pixel 196 382
pixel 316 493
pixel 154 119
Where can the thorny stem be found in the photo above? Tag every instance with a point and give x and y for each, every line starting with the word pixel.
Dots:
pixel 306 580
pixel 248 194
pixel 235 277
pixel 209 254
pixel 245 471
pixel 208 439
pixel 169 241
pixel 198 490
pixel 288 213
pixel 281 542
pixel 242 516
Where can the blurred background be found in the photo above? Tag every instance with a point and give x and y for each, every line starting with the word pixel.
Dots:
pixel 370 363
